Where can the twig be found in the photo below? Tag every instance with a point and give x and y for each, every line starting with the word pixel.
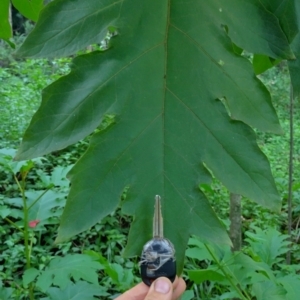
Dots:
pixel 290 188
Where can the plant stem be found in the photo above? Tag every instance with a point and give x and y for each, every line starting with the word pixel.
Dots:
pixel 235 217
pixel 25 232
pixel 31 243
pixel 13 224
pixel 25 212
pixel 244 297
pixel 290 191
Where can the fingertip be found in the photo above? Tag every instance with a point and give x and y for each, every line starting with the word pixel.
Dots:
pixel 180 288
pixel 162 285
pixel 182 283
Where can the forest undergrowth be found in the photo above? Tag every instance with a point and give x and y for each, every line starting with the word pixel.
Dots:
pixel 93 260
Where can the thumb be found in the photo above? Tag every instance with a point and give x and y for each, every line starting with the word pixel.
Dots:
pixel 161 289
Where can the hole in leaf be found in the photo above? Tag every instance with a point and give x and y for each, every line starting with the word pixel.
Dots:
pixel 105 43
pixel 107 121
pixel 224 101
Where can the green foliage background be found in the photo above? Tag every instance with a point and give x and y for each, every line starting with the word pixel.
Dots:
pixel 159 118
pixel 170 125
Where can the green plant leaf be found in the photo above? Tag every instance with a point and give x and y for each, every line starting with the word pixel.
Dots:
pixel 285 11
pixel 123 278
pixel 199 276
pixel 179 112
pixel 267 290
pixel 261 63
pixel 292 285
pixel 57 178
pixel 294 65
pixel 5 293
pixel 5 29
pixel 197 253
pixel 45 209
pixel 29 8
pixel 29 276
pixel 6 160
pixel 268 245
pixel 73 31
pixel 76 291
pixel 61 269
pixel 188 295
pixel 253 269
pixel 4 211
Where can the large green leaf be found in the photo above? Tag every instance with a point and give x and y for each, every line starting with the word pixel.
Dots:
pixel 178 92
pixel 29 8
pixel 5 29
pixel 294 66
pixel 68 26
pixel 285 11
pixel 288 14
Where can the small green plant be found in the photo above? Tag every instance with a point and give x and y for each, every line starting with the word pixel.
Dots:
pixel 257 271
pixel 31 266
pixel 29 212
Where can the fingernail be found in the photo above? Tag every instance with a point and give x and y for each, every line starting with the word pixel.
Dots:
pixel 162 286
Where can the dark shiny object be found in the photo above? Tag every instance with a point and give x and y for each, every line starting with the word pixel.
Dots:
pixel 158 259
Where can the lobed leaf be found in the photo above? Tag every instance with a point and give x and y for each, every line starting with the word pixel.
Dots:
pixel 43 209
pixel 268 245
pixel 76 291
pixel 180 95
pixel 61 269
pixel 269 290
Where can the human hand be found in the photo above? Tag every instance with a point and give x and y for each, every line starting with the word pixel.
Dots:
pixel 160 289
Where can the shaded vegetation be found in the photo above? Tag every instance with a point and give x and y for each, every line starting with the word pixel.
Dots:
pixel 20 85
